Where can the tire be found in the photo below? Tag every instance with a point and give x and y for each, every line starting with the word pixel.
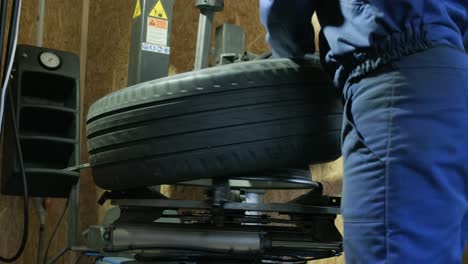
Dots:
pixel 225 121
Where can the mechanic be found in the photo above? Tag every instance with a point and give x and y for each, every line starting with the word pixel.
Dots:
pixel 403 71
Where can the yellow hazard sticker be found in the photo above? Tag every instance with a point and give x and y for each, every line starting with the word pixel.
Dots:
pixel 137 11
pixel 158 11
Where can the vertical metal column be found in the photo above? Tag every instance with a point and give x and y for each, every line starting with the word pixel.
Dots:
pixel 205 27
pixel 73 219
pixel 39 202
pixel 150 40
pixel 40 23
pixel 202 55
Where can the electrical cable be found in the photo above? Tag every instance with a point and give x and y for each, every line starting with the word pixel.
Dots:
pixel 39 201
pixel 40 243
pixel 78 260
pixel 59 255
pixel 12 40
pixel 25 190
pixel 3 16
pixel 10 55
pixel 49 243
pixel 9 58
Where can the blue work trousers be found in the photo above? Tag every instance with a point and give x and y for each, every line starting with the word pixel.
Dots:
pixel 405 148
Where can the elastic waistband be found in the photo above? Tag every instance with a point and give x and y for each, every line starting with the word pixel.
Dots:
pixel 364 61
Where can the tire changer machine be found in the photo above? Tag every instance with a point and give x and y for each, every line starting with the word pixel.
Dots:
pixel 232 225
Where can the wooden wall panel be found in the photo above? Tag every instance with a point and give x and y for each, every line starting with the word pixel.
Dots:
pixel 183 36
pixel 465 258
pixel 106 71
pixel 107 64
pixel 246 14
pixel 62 31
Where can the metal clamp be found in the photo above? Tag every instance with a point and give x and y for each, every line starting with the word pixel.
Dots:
pixel 210 5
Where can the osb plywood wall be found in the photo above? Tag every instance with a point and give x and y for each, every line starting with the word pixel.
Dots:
pixel 62 31
pixel 107 63
pixel 106 71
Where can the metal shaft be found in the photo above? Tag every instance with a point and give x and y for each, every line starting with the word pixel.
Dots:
pixel 205 26
pixel 204 240
pixel 248 241
pixel 40 201
pixel 40 23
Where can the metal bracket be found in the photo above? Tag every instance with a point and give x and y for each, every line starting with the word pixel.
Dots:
pixel 230 44
pixel 205 26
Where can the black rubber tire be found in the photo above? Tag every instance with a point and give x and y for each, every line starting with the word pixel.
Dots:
pixel 225 121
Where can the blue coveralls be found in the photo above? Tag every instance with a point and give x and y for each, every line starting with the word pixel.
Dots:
pixel 403 70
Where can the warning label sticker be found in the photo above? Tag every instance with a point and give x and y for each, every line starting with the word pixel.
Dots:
pixel 158 11
pixel 156 48
pixel 137 11
pixel 157 31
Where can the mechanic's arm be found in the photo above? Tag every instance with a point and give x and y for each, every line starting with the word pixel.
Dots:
pixel 290 32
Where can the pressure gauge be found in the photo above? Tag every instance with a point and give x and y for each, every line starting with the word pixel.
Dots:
pixel 50 60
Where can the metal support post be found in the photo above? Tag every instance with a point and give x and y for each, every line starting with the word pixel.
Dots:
pixel 40 23
pixel 73 219
pixel 202 54
pixel 150 44
pixel 205 26
pixel 39 202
